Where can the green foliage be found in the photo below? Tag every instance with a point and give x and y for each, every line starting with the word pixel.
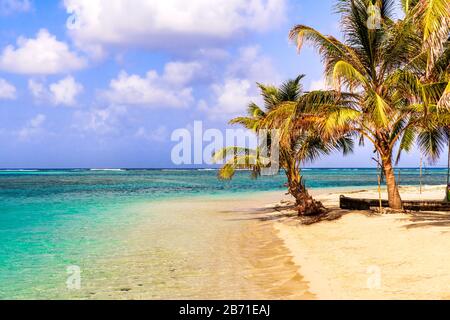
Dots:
pixel 392 82
pixel 300 141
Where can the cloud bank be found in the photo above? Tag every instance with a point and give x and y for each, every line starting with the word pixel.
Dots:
pixel 168 24
pixel 42 55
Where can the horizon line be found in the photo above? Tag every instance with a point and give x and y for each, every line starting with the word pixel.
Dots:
pixel 191 168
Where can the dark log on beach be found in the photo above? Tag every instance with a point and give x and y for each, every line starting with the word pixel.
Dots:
pixel 366 204
pixel 360 204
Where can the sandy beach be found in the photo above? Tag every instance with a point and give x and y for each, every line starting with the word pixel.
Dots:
pixel 364 255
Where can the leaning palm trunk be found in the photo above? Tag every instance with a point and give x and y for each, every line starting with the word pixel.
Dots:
pixel 447 188
pixel 306 205
pixel 395 201
pixel 299 141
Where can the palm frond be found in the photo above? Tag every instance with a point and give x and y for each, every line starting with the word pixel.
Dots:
pixel 377 109
pixel 431 141
pixel 345 144
pixel 290 90
pixel 255 111
pixel 408 5
pixel 246 122
pixel 406 143
pixel 227 152
pixel 269 95
pixel 435 20
pixel 331 49
pixel 345 73
pixel 444 101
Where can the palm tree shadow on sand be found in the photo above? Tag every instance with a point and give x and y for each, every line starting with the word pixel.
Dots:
pixel 428 219
pixel 288 210
pixel 284 211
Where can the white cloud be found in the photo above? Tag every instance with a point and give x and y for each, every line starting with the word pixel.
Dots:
pixel 11 6
pixel 153 90
pixel 160 134
pixel 40 56
pixel 99 121
pixel 171 23
pixel 37 121
pixel 64 92
pixel 252 64
pixel 37 89
pixel 230 98
pixel 181 73
pixel 238 89
pixel 7 90
pixel 170 89
pixel 212 54
pixel 319 85
pixel 32 128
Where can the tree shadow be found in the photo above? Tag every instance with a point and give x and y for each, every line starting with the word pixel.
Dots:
pixel 288 211
pixel 428 219
pixel 276 212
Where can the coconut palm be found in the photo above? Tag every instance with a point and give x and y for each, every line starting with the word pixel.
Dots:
pixel 378 94
pixel 301 143
pixel 429 68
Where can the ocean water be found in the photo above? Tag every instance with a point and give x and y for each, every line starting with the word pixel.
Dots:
pixel 54 220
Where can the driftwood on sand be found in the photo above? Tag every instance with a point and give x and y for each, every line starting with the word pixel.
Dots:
pixel 366 204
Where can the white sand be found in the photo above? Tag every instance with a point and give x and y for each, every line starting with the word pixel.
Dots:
pixel 369 256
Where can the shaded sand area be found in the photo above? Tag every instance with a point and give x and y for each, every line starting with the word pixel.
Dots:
pixel 364 255
pixel 200 248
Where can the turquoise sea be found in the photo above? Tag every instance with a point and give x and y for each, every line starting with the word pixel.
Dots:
pixel 53 219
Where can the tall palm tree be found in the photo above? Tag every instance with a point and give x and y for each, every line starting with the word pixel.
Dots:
pixel 301 143
pixel 430 68
pixel 373 71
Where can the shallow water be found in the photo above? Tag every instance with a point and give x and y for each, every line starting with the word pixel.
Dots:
pixel 119 226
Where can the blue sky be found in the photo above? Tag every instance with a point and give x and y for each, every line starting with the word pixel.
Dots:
pixel 87 83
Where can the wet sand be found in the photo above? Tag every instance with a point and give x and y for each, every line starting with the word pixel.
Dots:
pixel 202 248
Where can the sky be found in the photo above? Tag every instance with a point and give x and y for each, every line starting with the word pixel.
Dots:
pixel 104 83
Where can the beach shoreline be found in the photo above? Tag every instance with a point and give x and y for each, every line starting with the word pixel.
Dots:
pixel 365 255
pixel 254 247
pixel 251 245
pixel 212 248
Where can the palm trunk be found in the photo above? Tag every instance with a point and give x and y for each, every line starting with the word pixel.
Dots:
pixel 447 193
pixel 306 205
pixel 294 179
pixel 395 201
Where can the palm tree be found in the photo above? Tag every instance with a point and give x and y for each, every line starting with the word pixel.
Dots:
pixel 299 142
pixel 374 74
pixel 430 68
